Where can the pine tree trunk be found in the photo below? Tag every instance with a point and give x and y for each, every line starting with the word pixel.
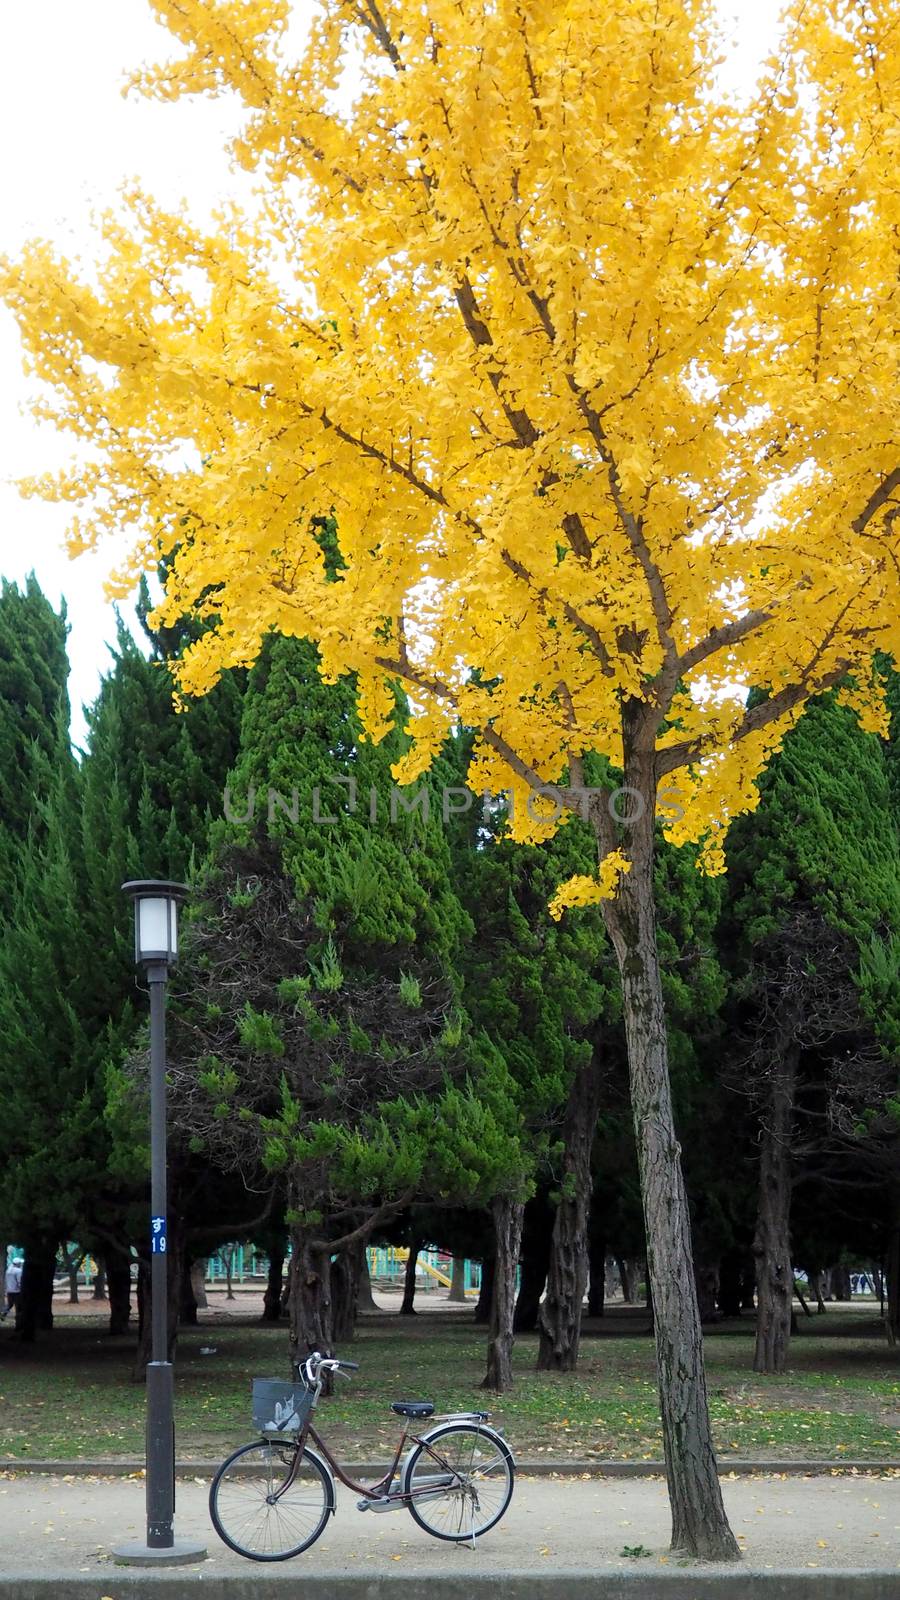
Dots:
pixel 537 1232
pixel 507 1214
pixel 729 1297
pixel 892 1273
pixel 34 1313
pixel 596 1274
pixel 485 1291
pixel 706 1282
pixel 365 1299
pixel 187 1302
pixel 407 1307
pixel 772 1241
pixel 456 1294
pixel 118 1279
pixel 73 1264
pixel 840 1283
pixel 99 1289
pixel 699 1523
pixel 272 1296
pixel 344 1294
pixel 815 1283
pixel 198 1283
pixel 559 1318
pixel 228 1263
pixel 311 1311
pixel 626 1280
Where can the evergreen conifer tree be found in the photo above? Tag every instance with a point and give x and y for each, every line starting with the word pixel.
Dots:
pixel 815 879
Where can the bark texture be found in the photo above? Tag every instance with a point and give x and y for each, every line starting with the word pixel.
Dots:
pixel 537 1232
pixel 365 1300
pixel 457 1291
pixel 272 1297
pixel 507 1214
pixel 559 1318
pixel 485 1291
pixel 772 1241
pixel 118 1282
pixel 310 1303
pixel 699 1523
pixel 344 1291
pixel 892 1273
pixel 407 1305
pixel 596 1274
pixel 34 1312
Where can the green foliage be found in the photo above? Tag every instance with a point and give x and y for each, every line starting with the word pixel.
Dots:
pixel 411 991
pixel 260 1032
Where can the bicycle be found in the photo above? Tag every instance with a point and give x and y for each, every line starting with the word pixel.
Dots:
pixel 271 1499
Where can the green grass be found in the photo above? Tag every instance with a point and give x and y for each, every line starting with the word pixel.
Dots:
pixel 72 1394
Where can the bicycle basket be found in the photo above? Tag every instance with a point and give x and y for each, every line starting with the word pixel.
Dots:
pixel 280 1407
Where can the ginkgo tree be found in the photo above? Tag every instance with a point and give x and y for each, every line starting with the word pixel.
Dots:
pixel 596 367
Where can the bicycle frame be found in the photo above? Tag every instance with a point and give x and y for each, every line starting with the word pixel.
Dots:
pixel 377 1491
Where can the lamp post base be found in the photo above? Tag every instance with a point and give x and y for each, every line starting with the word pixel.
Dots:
pixel 179 1554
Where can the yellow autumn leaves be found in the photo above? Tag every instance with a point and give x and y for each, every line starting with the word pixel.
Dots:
pixel 596 369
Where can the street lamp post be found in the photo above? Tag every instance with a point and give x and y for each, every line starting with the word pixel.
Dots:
pixel 155 949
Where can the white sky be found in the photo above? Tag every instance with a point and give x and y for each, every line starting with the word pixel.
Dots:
pixel 68 141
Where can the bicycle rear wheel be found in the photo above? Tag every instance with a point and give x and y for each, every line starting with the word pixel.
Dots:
pixel 256 1515
pixel 460 1481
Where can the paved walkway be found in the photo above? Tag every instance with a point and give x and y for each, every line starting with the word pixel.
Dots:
pixel 65 1527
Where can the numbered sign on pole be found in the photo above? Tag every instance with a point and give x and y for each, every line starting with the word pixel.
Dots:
pixel 158 1235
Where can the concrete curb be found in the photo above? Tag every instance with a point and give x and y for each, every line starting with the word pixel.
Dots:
pixel 546 1468
pixel 659 1583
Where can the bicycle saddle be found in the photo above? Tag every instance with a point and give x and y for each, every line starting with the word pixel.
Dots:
pixel 413 1408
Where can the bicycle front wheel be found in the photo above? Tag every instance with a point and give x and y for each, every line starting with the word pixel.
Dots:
pixel 459 1480
pixel 265 1510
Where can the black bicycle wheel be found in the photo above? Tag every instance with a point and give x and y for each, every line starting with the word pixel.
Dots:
pixel 460 1481
pixel 255 1515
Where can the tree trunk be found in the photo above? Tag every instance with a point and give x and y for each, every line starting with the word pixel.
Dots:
pixel 187 1302
pixel 815 1283
pixel 699 1523
pixel 407 1308
pixel 344 1293
pixel 198 1283
pixel 365 1299
pixel 99 1289
pixel 272 1296
pixel 73 1265
pixel 486 1290
pixel 748 1285
pixel 34 1312
pixel 596 1275
pixel 729 1298
pixel 804 1304
pixel 456 1294
pixel 508 1215
pixel 892 1273
pixel 772 1241
pixel 706 1283
pixel 312 1324
pixel 118 1278
pixel 559 1318
pixel 840 1283
pixel 626 1280
pixel 537 1231
pixel 228 1263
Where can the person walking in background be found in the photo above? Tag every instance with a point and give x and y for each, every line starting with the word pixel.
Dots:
pixel 13 1286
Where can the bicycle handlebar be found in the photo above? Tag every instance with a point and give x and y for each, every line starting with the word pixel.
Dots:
pixel 316 1363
